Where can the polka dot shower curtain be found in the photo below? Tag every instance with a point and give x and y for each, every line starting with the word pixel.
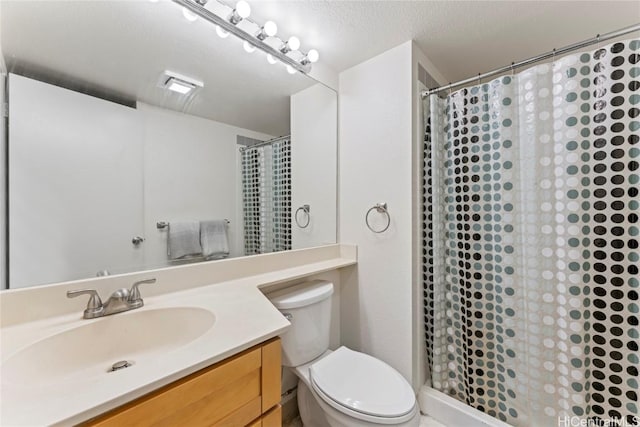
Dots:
pixel 266 197
pixel 531 241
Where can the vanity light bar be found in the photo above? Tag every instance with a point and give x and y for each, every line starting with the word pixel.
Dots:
pixel 193 6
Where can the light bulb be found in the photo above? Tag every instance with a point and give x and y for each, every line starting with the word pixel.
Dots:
pixel 222 33
pixel 294 43
pixel 270 59
pixel 270 28
pixel 313 55
pixel 243 9
pixel 290 69
pixel 188 15
pixel 248 47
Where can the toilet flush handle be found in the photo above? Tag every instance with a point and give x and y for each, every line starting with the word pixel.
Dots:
pixel 288 316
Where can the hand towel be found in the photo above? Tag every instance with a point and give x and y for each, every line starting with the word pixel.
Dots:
pixel 213 238
pixel 184 239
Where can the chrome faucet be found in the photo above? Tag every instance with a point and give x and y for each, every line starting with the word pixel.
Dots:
pixel 121 300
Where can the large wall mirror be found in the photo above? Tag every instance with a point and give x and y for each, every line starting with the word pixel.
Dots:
pixel 111 171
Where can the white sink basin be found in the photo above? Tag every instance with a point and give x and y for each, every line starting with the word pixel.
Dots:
pixel 87 352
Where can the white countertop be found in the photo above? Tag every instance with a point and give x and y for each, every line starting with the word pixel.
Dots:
pixel 244 317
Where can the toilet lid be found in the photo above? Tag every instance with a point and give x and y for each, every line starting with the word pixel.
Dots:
pixel 362 383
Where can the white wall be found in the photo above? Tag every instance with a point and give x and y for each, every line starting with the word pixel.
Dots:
pixel 71 215
pixel 190 168
pixel 379 142
pixel 3 182
pixel 420 369
pixel 375 166
pixel 314 136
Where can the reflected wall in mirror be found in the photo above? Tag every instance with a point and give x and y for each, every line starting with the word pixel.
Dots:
pixel 110 172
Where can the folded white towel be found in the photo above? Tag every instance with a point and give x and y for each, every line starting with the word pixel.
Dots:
pixel 213 238
pixel 184 239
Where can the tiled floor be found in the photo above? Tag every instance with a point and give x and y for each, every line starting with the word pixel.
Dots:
pixel 293 423
pixel 425 421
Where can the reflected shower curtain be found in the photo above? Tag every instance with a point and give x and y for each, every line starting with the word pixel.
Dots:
pixel 266 197
pixel 531 241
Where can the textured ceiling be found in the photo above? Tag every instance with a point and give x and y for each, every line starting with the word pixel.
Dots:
pixel 461 38
pixel 121 47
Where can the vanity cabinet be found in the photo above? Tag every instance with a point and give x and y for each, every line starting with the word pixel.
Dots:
pixel 243 390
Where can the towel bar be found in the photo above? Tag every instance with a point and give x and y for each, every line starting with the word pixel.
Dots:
pixel 160 225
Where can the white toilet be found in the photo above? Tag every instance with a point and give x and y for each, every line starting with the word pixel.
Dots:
pixel 341 388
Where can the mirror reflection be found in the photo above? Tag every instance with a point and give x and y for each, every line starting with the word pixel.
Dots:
pixel 138 139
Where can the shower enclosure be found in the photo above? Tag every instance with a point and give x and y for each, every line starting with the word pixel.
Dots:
pixel 266 196
pixel 530 266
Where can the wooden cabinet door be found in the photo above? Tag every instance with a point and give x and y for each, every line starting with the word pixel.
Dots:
pixel 231 393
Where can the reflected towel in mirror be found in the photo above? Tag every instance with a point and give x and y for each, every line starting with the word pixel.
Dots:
pixel 184 239
pixel 213 238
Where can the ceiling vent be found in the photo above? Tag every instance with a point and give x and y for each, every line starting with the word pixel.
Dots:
pixel 178 83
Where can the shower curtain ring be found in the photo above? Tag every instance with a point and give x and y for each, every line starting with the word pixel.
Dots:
pixel 513 68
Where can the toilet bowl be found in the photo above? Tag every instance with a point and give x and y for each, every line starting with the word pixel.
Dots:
pixel 341 388
pixel 356 390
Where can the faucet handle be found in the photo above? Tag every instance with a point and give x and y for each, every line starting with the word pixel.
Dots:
pixel 94 306
pixel 134 293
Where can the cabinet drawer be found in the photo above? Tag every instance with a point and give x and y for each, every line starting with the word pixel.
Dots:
pixel 273 418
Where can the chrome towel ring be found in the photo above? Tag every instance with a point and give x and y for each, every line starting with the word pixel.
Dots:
pixel 307 210
pixel 381 208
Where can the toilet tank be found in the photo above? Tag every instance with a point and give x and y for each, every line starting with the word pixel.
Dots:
pixel 308 307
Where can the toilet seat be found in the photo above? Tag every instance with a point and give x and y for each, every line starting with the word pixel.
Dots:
pixel 362 387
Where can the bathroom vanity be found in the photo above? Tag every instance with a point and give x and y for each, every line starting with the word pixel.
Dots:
pixel 204 348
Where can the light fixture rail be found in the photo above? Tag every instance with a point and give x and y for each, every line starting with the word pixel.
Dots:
pixel 228 26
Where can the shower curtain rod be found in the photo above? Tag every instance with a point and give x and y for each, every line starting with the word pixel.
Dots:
pixel 269 141
pixel 597 39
